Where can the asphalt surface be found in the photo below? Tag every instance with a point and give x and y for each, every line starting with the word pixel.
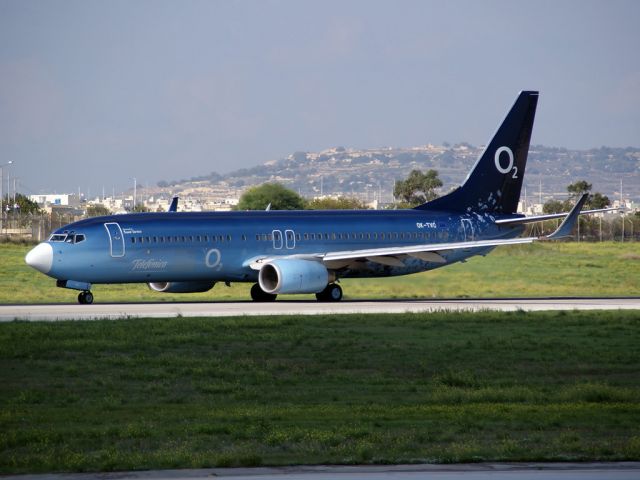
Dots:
pixel 54 312
pixel 516 471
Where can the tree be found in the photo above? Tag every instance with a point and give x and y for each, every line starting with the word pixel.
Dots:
pixel 280 198
pixel 25 205
pixel 594 201
pixel 340 203
pixel 598 200
pixel 97 210
pixel 140 208
pixel 576 189
pixel 418 188
pixel 554 206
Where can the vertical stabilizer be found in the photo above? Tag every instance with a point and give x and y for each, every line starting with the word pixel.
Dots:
pixel 494 184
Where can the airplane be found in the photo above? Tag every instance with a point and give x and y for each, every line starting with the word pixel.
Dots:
pixel 306 252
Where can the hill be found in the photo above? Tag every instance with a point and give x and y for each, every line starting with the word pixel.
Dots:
pixel 370 174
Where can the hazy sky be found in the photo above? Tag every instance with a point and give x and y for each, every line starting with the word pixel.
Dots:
pixel 94 93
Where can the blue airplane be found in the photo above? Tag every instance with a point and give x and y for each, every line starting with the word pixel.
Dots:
pixel 292 252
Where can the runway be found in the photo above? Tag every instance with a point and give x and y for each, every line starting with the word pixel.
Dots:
pixel 52 312
pixel 478 471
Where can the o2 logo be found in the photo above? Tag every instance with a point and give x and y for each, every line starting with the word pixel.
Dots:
pixel 498 159
pixel 213 259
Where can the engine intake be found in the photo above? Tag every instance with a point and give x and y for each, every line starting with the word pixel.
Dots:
pixel 293 276
pixel 181 287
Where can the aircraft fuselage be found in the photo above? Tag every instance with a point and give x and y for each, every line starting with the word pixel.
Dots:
pixel 218 246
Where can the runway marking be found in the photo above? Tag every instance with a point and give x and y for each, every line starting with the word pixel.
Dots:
pixel 98 311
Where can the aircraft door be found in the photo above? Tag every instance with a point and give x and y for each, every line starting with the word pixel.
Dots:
pixel 116 239
pixel 290 239
pixel 277 239
pixel 467 226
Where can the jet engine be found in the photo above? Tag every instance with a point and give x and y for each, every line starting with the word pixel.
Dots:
pixel 293 276
pixel 181 287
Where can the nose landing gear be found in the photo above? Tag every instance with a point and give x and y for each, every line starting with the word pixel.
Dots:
pixel 85 298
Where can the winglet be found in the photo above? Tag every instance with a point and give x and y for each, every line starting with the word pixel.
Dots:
pixel 564 230
pixel 174 205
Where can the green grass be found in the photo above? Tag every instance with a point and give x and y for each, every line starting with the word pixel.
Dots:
pixel 458 387
pixel 550 269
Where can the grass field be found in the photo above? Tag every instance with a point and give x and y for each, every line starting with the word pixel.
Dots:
pixel 177 393
pixel 551 269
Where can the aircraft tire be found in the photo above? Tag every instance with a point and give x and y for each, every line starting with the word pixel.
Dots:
pixel 332 293
pixel 259 295
pixel 85 298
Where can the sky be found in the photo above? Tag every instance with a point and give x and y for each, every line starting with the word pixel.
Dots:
pixel 95 93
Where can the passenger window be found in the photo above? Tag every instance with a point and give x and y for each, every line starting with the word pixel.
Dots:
pixel 228 238
pixel 133 239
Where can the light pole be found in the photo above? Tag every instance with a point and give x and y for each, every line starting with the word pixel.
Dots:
pixel 135 186
pixel 1 195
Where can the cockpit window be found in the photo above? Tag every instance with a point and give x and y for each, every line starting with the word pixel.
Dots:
pixel 67 238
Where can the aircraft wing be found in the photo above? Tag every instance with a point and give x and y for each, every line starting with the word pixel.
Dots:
pixel 388 255
pixel 550 216
pixel 429 252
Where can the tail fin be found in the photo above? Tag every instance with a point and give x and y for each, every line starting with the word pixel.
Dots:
pixel 494 184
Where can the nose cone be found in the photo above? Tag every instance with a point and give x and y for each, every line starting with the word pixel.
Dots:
pixel 40 257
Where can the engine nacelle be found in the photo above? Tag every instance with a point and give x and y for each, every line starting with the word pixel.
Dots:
pixel 181 287
pixel 293 276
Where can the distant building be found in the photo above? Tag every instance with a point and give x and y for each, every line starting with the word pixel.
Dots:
pixel 60 199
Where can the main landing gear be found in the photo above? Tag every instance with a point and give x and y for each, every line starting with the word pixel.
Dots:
pixel 259 295
pixel 332 293
pixel 85 298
